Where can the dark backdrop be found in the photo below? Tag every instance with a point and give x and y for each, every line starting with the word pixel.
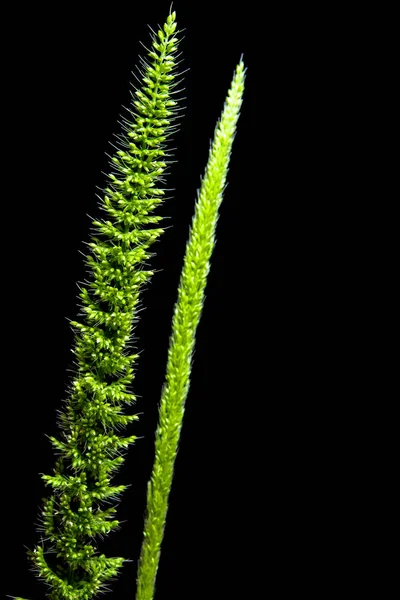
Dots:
pixel 249 474
pixel 69 72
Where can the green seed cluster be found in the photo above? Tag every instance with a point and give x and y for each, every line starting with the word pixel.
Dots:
pixel 90 446
pixel 187 313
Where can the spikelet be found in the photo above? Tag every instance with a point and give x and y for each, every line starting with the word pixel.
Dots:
pixel 89 448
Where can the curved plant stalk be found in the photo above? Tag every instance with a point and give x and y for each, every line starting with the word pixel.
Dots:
pixel 186 317
pixel 89 445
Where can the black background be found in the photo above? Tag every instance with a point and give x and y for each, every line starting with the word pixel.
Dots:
pixel 245 480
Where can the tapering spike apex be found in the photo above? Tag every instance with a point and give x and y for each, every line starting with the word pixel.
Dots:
pixel 170 25
pixel 89 448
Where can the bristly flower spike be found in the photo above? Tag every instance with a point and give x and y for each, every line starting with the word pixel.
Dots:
pixel 186 318
pixel 89 450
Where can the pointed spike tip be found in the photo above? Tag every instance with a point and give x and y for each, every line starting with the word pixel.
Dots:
pixel 171 17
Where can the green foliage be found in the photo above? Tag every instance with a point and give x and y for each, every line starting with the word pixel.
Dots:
pixel 186 318
pixel 89 446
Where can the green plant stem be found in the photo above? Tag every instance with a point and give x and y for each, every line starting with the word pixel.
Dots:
pixel 185 321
